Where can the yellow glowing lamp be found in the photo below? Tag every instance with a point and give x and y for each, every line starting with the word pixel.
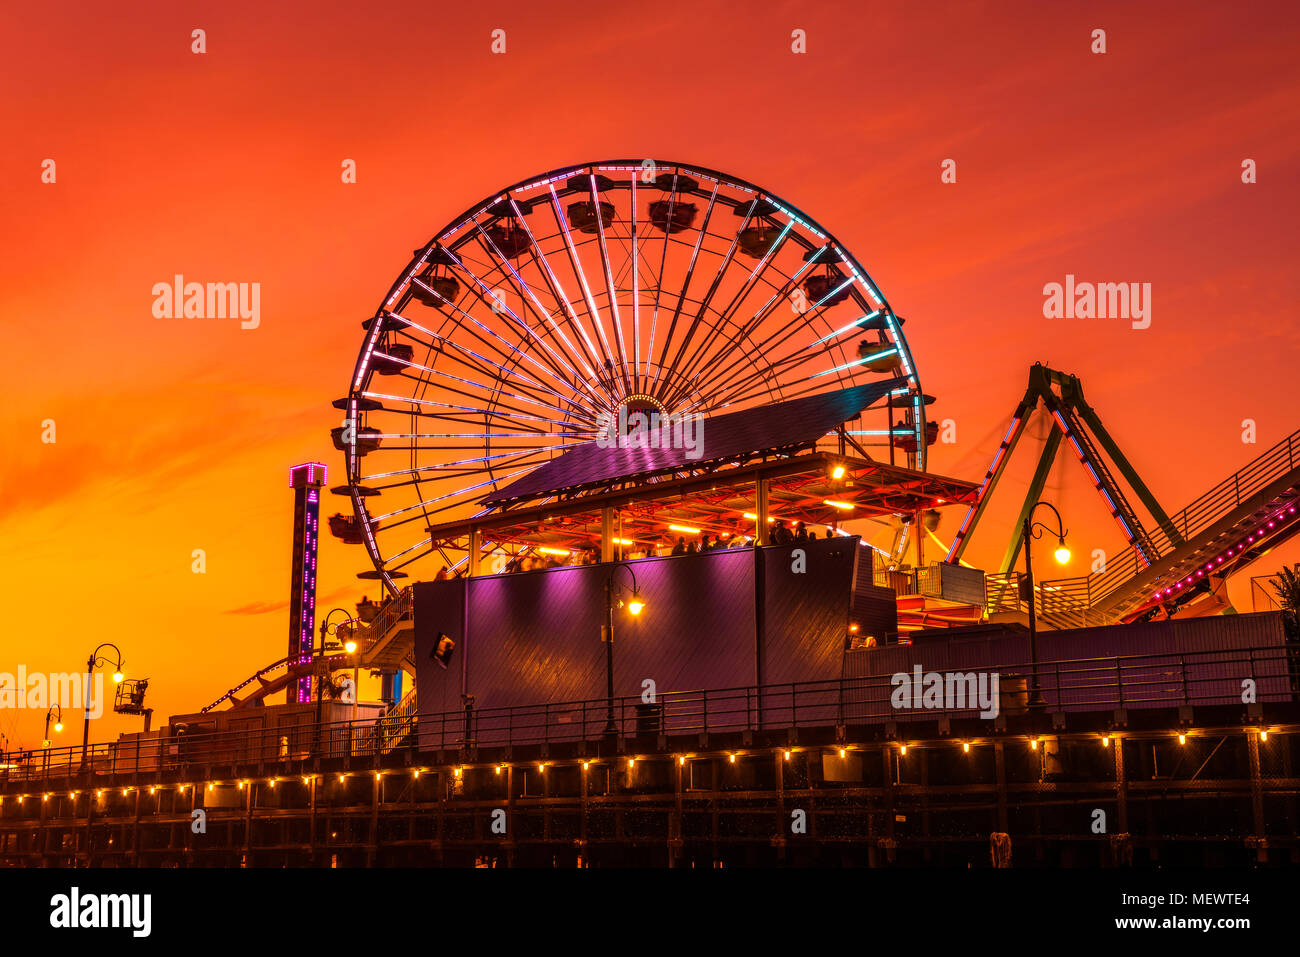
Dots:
pixel 58 726
pixel 837 472
pixel 635 605
pixel 1063 552
pixel 350 647
pixel 117 677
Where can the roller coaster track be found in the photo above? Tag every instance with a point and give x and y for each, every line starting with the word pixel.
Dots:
pixel 265 687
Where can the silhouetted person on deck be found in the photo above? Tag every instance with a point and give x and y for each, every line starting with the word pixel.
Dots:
pixel 680 547
pixel 781 534
pixel 801 532
pixel 705 544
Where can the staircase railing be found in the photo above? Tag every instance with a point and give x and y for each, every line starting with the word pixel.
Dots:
pixel 390 730
pixel 1209 508
pixel 393 612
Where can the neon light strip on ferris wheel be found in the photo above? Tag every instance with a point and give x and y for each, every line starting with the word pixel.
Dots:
pixel 563 222
pixel 541 310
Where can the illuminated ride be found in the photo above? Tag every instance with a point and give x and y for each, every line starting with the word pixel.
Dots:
pixel 573 297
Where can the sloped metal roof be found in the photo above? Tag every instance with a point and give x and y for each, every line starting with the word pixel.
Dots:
pixel 734 435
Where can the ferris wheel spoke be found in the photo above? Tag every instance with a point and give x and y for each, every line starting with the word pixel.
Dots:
pixel 615 319
pixel 556 289
pixel 462 351
pixel 495 307
pixel 779 369
pixel 634 258
pixel 507 350
pixel 494 392
pixel 797 321
pixel 498 388
pixel 704 304
pixel 465 408
pixel 686 283
pixel 704 356
pixel 567 355
pixel 718 371
pixel 526 292
pixel 576 264
pixel 659 286
pixel 417 473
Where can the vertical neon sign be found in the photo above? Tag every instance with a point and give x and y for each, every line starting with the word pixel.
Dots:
pixel 306 482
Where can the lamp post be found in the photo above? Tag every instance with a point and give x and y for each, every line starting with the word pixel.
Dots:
pixel 91 662
pixel 1031 531
pixel 634 606
pixel 350 647
pixel 58 723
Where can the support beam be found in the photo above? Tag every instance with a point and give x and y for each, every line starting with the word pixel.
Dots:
pixel 1144 494
pixel 607 545
pixel 1031 496
pixel 761 509
pixel 475 546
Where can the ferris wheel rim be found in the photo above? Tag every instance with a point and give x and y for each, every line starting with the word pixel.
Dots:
pixel 364 372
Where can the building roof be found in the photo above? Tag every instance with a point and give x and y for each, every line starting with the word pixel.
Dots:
pixel 729 437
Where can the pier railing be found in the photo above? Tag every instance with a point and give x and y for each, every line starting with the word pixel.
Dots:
pixel 1166 680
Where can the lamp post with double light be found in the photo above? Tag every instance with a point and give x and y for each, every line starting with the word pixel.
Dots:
pixel 92 662
pixel 634 604
pixel 1034 530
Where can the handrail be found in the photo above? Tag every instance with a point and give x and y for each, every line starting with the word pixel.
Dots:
pixel 1132 681
pixel 389 729
pixel 393 612
pixel 1197 516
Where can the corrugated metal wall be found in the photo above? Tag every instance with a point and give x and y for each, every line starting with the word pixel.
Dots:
pixel 534 638
pixel 697 631
pixel 1214 677
pixel 439 609
pixel 806 616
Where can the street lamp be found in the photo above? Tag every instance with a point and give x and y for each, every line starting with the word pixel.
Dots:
pixel 58 723
pixel 91 662
pixel 349 646
pixel 634 606
pixel 1032 531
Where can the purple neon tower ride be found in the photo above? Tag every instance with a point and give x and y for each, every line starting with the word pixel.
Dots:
pixel 306 481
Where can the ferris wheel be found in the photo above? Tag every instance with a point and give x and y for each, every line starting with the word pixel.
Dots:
pixel 570 295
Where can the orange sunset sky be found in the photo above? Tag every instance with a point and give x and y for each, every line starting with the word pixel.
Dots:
pixel 174 435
